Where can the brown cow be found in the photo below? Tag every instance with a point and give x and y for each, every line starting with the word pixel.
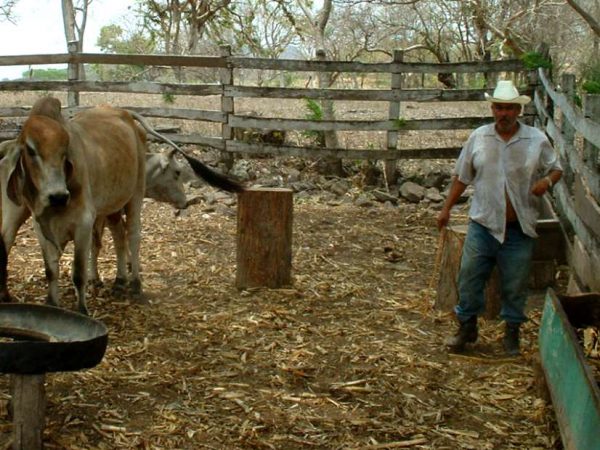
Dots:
pixel 70 174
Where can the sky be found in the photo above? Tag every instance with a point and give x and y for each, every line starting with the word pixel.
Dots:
pixel 39 29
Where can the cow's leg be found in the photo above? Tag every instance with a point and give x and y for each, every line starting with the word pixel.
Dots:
pixel 13 217
pixel 51 264
pixel 133 228
pixel 79 275
pixel 4 295
pixel 117 229
pixel 94 275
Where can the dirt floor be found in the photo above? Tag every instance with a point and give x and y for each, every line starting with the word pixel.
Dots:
pixel 349 357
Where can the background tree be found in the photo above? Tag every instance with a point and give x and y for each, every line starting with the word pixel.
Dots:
pixel 6 9
pixel 179 26
pixel 258 28
pixel 74 21
pixel 115 39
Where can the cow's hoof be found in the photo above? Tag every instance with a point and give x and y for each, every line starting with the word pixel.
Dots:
pixel 84 310
pixel 119 288
pixel 96 283
pixel 135 287
pixel 5 297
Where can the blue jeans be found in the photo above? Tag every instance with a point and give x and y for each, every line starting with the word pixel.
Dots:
pixel 481 252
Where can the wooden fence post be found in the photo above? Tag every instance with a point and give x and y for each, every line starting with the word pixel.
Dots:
pixel 567 129
pixel 227 106
pixel 591 153
pixel 29 409
pixel 389 165
pixel 73 75
pixel 264 238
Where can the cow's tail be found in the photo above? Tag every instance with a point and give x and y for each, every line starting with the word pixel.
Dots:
pixel 211 176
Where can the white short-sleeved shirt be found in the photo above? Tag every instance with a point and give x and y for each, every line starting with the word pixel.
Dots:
pixel 492 166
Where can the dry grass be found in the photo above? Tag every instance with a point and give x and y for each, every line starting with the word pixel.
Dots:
pixel 350 356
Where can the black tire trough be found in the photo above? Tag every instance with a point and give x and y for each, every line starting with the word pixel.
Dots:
pixel 46 339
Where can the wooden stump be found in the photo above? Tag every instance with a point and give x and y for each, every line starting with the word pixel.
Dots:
pixel 29 409
pixel 447 292
pixel 264 238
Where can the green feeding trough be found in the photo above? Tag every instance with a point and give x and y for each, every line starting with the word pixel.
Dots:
pixel 35 340
pixel 573 388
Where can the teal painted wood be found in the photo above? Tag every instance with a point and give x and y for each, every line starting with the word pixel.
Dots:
pixel 574 390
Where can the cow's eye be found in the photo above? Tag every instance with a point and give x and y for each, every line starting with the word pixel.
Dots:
pixel 30 150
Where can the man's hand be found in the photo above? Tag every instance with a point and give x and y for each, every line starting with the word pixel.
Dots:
pixel 443 218
pixel 541 186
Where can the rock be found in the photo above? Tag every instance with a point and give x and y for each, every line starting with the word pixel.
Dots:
pixel 293 175
pixel 412 192
pixel 382 196
pixel 363 201
pixel 435 178
pixel 433 195
pixel 340 187
pixel 302 186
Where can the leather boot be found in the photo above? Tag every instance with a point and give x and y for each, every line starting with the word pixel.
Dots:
pixel 511 339
pixel 467 333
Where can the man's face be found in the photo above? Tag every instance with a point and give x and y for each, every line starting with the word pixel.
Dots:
pixel 506 115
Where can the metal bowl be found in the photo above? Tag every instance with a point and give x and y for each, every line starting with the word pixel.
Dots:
pixel 45 339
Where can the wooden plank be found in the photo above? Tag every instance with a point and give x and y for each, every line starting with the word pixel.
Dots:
pixel 104 58
pixel 136 87
pixel 589 129
pixel 317 152
pixel 179 113
pixel 454 123
pixel 574 391
pixel 586 207
pixel 358 67
pixel 29 409
pixel 26 60
pixel 571 221
pixel 585 263
pixel 415 95
pixel 167 113
pixel 261 63
pixel 194 138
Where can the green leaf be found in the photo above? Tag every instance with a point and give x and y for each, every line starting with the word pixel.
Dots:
pixel 535 60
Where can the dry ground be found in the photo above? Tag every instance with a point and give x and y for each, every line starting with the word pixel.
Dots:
pixel 350 356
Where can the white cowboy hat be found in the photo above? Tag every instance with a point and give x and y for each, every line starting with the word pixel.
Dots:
pixel 506 92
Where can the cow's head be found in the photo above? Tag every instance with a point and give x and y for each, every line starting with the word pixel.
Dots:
pixel 163 179
pixel 41 176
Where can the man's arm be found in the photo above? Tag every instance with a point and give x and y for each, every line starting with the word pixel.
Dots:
pixel 543 184
pixel 456 190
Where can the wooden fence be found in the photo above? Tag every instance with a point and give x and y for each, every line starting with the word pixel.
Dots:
pixel 230 89
pixel 576 133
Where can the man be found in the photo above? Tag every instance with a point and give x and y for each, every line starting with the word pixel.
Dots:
pixel 510 165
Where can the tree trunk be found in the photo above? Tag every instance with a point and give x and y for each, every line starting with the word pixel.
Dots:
pixel 328 165
pixel 264 238
pixel 447 292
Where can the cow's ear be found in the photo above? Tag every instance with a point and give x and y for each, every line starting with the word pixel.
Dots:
pixel 15 184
